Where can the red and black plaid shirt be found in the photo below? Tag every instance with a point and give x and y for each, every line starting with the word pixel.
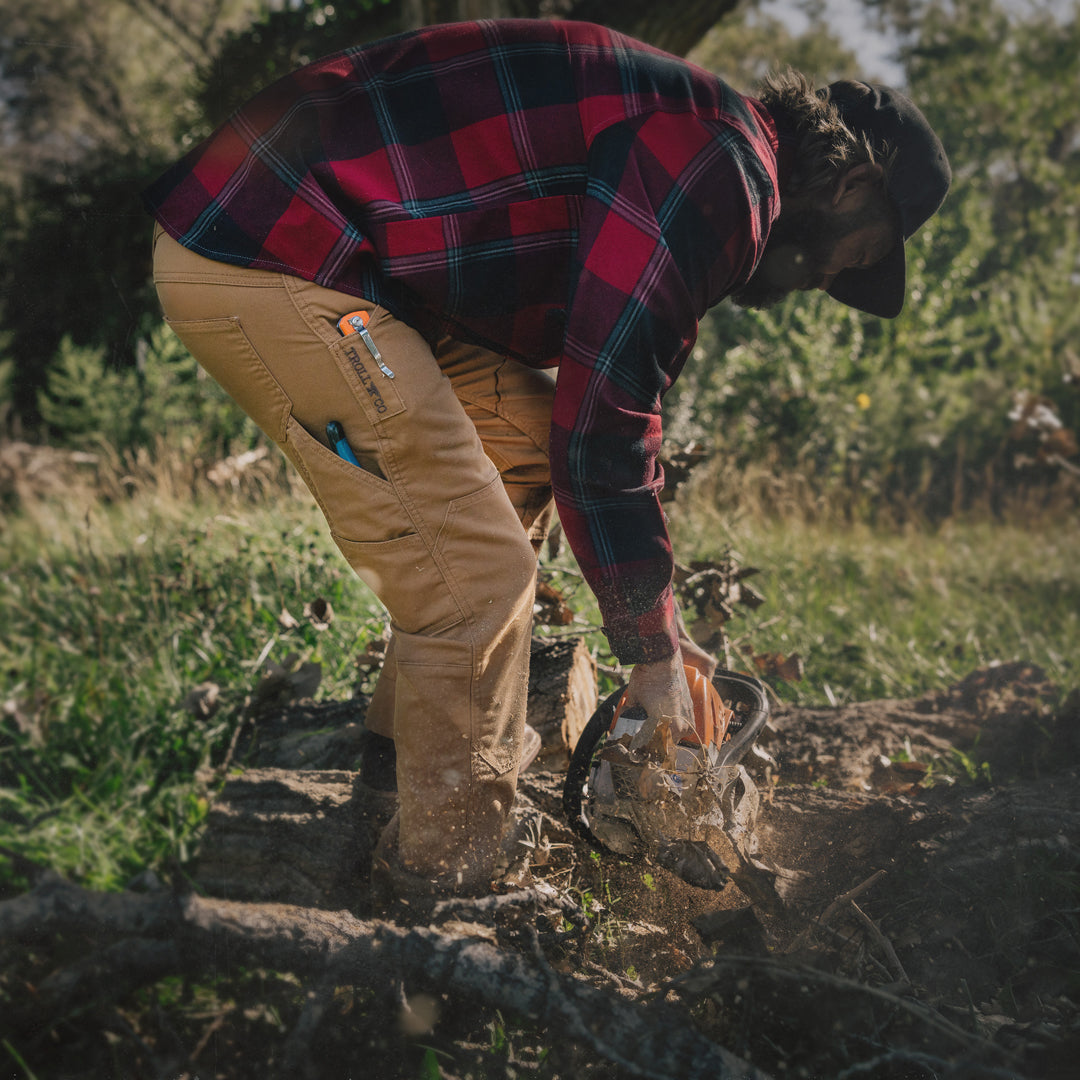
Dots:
pixel 554 191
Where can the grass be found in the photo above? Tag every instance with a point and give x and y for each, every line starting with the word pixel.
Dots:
pixel 878 614
pixel 111 616
pixel 112 611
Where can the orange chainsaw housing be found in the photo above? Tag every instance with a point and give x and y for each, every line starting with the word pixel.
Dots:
pixel 711 716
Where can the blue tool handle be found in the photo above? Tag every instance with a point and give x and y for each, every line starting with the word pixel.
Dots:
pixel 336 434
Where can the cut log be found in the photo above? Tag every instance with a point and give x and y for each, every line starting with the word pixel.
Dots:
pixel 298 836
pixel 562 696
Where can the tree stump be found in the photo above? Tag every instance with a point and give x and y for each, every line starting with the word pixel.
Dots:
pixel 562 696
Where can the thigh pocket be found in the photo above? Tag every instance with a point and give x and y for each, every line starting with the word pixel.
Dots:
pixel 376 535
pixel 403 575
pixel 226 353
pixel 357 504
pixel 373 388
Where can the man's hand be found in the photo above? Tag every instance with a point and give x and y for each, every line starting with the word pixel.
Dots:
pixel 660 689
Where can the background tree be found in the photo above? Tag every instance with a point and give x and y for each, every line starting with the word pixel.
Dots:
pixel 974 389
pixel 96 99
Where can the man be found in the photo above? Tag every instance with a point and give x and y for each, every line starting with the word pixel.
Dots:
pixel 487 201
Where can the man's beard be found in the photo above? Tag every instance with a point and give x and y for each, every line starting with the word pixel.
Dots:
pixel 797 251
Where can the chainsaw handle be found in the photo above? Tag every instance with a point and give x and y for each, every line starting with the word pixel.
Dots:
pixel 581 762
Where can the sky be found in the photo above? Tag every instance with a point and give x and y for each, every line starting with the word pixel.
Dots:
pixel 851 24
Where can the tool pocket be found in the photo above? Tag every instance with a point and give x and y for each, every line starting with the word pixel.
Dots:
pixel 376 392
pixel 357 504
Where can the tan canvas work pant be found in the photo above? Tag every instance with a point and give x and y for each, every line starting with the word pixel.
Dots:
pixel 443 520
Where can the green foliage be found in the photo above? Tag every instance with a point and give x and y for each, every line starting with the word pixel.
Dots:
pixel 111 617
pixel 916 410
pixel 75 260
pixel 166 397
pixel 748 44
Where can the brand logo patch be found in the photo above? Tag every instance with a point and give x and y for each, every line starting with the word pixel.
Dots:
pixel 366 381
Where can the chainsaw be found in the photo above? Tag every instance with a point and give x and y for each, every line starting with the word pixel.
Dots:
pixel 635 791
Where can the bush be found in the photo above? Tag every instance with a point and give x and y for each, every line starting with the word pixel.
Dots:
pixel 166 397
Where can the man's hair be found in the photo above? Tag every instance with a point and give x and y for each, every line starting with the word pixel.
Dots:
pixel 827 147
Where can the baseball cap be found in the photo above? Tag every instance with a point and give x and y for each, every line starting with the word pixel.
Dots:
pixel 916 185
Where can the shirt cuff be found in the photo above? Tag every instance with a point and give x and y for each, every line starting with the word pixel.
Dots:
pixel 639 639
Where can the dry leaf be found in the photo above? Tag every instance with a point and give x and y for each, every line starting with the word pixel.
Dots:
pixel 28 722
pixel 202 701
pixel 550 608
pixel 281 684
pixel 678 463
pixel 373 657
pixel 778 666
pixel 319 613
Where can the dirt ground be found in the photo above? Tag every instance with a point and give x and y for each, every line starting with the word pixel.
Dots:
pixel 912 911
pixel 958 815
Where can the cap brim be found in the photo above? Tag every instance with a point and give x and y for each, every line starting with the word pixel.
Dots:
pixel 878 289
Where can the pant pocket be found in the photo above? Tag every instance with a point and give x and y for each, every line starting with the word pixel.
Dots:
pixel 357 503
pixel 403 575
pixel 223 349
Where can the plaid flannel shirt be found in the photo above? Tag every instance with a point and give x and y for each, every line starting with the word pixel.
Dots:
pixel 554 191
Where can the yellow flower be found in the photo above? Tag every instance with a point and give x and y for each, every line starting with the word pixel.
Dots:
pixel 863 401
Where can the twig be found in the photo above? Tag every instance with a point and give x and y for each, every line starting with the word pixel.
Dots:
pixel 850 896
pixel 700 981
pixel 883 941
pixel 214 1025
pixel 241 723
pixel 298 1049
pixel 946 1070
pixel 830 912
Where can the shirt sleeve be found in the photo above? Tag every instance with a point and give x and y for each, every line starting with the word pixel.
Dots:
pixel 669 226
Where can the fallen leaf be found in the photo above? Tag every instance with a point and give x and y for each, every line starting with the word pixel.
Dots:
pixel 777 666
pixel 319 613
pixel 285 682
pixel 678 463
pixel 373 657
pixel 550 608
pixel 202 700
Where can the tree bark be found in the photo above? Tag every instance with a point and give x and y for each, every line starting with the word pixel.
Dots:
pixel 562 696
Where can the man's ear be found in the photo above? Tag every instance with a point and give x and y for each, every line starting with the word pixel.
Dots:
pixel 856 186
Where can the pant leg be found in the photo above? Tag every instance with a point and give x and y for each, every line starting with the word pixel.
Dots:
pixel 510 405
pixel 426 522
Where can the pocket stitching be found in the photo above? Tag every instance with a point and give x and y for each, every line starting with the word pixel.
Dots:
pixel 236 325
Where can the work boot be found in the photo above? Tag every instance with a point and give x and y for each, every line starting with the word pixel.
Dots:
pixel 405 897
pixel 378 763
